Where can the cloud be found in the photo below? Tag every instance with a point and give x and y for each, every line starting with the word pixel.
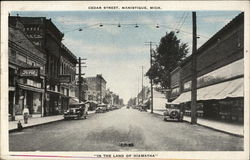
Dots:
pixel 103 49
pixel 216 19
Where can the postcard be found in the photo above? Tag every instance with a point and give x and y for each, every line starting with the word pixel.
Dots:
pixel 125 80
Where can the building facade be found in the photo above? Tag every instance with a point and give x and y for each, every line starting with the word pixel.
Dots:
pixel 27 63
pixel 96 88
pixel 67 74
pixel 59 61
pixel 220 74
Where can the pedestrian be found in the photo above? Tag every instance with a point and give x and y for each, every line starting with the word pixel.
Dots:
pixel 25 114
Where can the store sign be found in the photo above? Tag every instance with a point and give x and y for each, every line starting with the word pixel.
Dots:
pixel 64 78
pixel 29 72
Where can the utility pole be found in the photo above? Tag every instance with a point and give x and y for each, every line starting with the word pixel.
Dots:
pixel 80 78
pixel 142 93
pixel 138 90
pixel 151 81
pixel 100 90
pixel 194 74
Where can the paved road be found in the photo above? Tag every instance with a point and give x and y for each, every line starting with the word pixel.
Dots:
pixel 104 131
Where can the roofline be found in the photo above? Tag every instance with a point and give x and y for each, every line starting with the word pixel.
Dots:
pixel 234 21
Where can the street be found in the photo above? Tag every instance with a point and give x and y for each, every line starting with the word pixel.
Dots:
pixel 105 131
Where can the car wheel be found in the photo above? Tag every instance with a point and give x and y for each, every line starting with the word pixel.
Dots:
pixel 165 119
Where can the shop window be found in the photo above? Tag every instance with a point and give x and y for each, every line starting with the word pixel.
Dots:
pixel 37 103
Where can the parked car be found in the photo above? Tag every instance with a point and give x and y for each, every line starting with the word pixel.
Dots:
pixel 143 108
pixel 99 110
pixel 77 110
pixel 173 111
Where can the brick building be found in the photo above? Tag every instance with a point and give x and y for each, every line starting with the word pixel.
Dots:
pixel 59 60
pixel 67 80
pixel 96 89
pixel 26 73
pixel 220 75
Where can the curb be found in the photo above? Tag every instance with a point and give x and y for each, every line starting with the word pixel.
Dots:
pixel 16 130
pixel 215 129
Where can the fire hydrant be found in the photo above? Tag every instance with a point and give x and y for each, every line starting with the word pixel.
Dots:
pixel 19 126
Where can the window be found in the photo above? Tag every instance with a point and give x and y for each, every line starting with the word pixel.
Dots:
pixel 31 62
pixel 13 54
pixel 21 58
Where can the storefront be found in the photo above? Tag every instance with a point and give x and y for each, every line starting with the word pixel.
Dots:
pixel 222 101
pixel 31 97
pixel 53 103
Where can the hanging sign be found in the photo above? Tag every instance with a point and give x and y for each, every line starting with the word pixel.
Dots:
pixel 29 72
pixel 64 78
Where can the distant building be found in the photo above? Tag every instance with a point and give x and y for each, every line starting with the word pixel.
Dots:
pixel 96 88
pixel 121 102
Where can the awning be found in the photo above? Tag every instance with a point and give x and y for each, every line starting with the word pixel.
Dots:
pixel 159 103
pixel 73 100
pixel 29 88
pixel 91 101
pixel 229 89
pixel 53 92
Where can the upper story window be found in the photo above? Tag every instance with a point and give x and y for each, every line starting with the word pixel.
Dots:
pixel 13 54
pixel 31 62
pixel 21 58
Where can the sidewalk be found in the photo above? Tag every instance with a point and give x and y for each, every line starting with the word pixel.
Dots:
pixel 34 122
pixel 235 129
pixel 37 121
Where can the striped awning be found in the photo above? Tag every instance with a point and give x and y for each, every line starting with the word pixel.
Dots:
pixel 228 89
pixel 30 88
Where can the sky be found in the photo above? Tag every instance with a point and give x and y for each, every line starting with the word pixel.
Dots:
pixel 118 53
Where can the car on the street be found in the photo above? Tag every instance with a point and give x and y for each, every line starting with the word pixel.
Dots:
pixel 76 111
pixel 142 108
pixel 99 110
pixel 174 112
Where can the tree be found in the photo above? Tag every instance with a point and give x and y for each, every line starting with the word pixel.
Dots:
pixel 169 54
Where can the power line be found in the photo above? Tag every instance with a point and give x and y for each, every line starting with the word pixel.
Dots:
pixel 136 25
pixel 177 24
pixel 183 20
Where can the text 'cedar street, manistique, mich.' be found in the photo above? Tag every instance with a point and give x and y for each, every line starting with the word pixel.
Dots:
pixel 123 7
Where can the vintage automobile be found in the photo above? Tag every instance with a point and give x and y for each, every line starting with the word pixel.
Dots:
pixel 143 108
pixel 173 111
pixel 76 111
pixel 99 110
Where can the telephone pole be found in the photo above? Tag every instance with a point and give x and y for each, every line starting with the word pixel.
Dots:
pixel 151 81
pixel 194 73
pixel 142 93
pixel 80 78
pixel 138 90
